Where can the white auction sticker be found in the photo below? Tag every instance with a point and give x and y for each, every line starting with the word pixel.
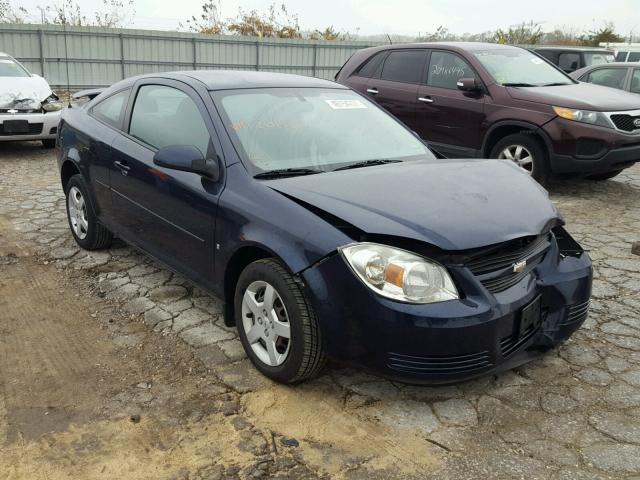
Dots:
pixel 345 104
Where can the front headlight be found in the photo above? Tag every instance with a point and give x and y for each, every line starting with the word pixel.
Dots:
pixel 399 274
pixel 584 116
pixel 52 104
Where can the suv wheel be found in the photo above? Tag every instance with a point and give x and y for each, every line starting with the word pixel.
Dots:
pixel 85 228
pixel 276 324
pixel 526 151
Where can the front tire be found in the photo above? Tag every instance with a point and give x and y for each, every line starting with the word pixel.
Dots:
pixel 83 222
pixel 604 176
pixel 276 324
pixel 526 151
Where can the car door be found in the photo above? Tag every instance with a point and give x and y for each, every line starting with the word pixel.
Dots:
pixel 168 213
pixel 614 77
pixel 396 86
pixel 634 85
pixel 447 118
pixel 107 117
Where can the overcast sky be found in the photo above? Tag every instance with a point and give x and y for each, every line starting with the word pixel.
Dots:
pixel 407 17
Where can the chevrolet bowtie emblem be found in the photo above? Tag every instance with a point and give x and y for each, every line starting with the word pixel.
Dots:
pixel 12 111
pixel 519 266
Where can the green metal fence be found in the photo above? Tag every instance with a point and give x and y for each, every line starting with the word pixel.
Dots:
pixel 96 57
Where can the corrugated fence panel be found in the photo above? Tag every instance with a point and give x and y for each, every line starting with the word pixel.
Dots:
pixel 102 56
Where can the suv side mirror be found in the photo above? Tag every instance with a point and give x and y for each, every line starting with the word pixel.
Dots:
pixel 187 158
pixel 469 85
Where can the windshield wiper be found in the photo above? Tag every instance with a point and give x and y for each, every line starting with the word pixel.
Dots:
pixel 555 84
pixel 287 172
pixel 366 163
pixel 518 85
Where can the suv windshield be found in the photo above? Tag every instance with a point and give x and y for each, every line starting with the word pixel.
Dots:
pixel 312 128
pixel 9 68
pixel 519 67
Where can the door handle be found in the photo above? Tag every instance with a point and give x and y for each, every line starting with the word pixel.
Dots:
pixel 372 91
pixel 124 168
pixel 425 99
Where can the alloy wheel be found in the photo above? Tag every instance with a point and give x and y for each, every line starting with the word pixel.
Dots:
pixel 518 154
pixel 77 213
pixel 266 323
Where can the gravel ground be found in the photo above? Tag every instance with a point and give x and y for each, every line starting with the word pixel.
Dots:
pixel 169 360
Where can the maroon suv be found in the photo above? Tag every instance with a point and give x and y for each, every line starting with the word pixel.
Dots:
pixel 485 100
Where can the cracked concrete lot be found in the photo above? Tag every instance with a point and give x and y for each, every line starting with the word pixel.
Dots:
pixel 111 366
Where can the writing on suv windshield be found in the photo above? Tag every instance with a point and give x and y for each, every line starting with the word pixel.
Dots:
pixel 286 132
pixel 516 67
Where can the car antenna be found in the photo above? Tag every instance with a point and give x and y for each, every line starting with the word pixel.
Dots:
pixel 66 55
pixel 389 37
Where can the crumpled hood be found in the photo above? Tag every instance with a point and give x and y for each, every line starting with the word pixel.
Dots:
pixel 23 93
pixel 585 96
pixel 452 204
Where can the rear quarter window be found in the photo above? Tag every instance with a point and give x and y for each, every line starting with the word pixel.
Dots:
pixel 372 67
pixel 111 109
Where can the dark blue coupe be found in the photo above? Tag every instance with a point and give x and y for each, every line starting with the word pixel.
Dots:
pixel 326 226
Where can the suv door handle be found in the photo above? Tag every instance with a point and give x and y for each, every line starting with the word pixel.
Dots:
pixel 372 91
pixel 124 168
pixel 425 99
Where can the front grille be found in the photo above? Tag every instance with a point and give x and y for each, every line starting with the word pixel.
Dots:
pixel 34 129
pixel 445 365
pixel 625 122
pixel 494 267
pixel 513 343
pixel 576 314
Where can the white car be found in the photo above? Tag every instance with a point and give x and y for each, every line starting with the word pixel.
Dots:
pixel 29 110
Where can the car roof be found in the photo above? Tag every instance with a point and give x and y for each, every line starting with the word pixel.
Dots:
pixel 575 49
pixel 470 46
pixel 232 79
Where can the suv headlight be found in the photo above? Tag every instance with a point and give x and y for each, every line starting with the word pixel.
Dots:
pixel 51 104
pixel 399 274
pixel 584 116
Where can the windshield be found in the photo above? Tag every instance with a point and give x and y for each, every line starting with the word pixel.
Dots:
pixel 597 58
pixel 9 68
pixel 519 67
pixel 312 128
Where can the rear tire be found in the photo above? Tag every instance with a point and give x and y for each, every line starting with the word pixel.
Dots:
pixel 87 231
pixel 604 176
pixel 526 151
pixel 264 318
pixel 49 143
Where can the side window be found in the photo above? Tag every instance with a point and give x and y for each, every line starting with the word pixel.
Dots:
pixel 635 81
pixel 609 77
pixel 111 109
pixel 634 57
pixel 164 116
pixel 445 69
pixel 548 54
pixel 621 57
pixel 404 66
pixel 373 67
pixel 569 61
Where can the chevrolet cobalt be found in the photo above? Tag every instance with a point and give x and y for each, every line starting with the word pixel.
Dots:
pixel 327 227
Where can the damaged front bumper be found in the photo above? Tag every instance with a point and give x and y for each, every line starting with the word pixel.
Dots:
pixel 456 340
pixel 29 126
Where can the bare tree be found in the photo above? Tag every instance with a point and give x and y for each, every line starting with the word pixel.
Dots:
pixel 331 33
pixel 524 34
pixel 605 34
pixel 10 14
pixel 276 22
pixel 208 21
pixel 115 13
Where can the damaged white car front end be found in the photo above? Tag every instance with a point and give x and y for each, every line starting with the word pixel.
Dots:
pixel 29 110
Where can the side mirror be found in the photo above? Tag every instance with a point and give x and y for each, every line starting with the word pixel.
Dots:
pixel 187 158
pixel 469 85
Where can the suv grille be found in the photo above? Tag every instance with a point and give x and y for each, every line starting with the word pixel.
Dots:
pixel 495 267
pixel 625 122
